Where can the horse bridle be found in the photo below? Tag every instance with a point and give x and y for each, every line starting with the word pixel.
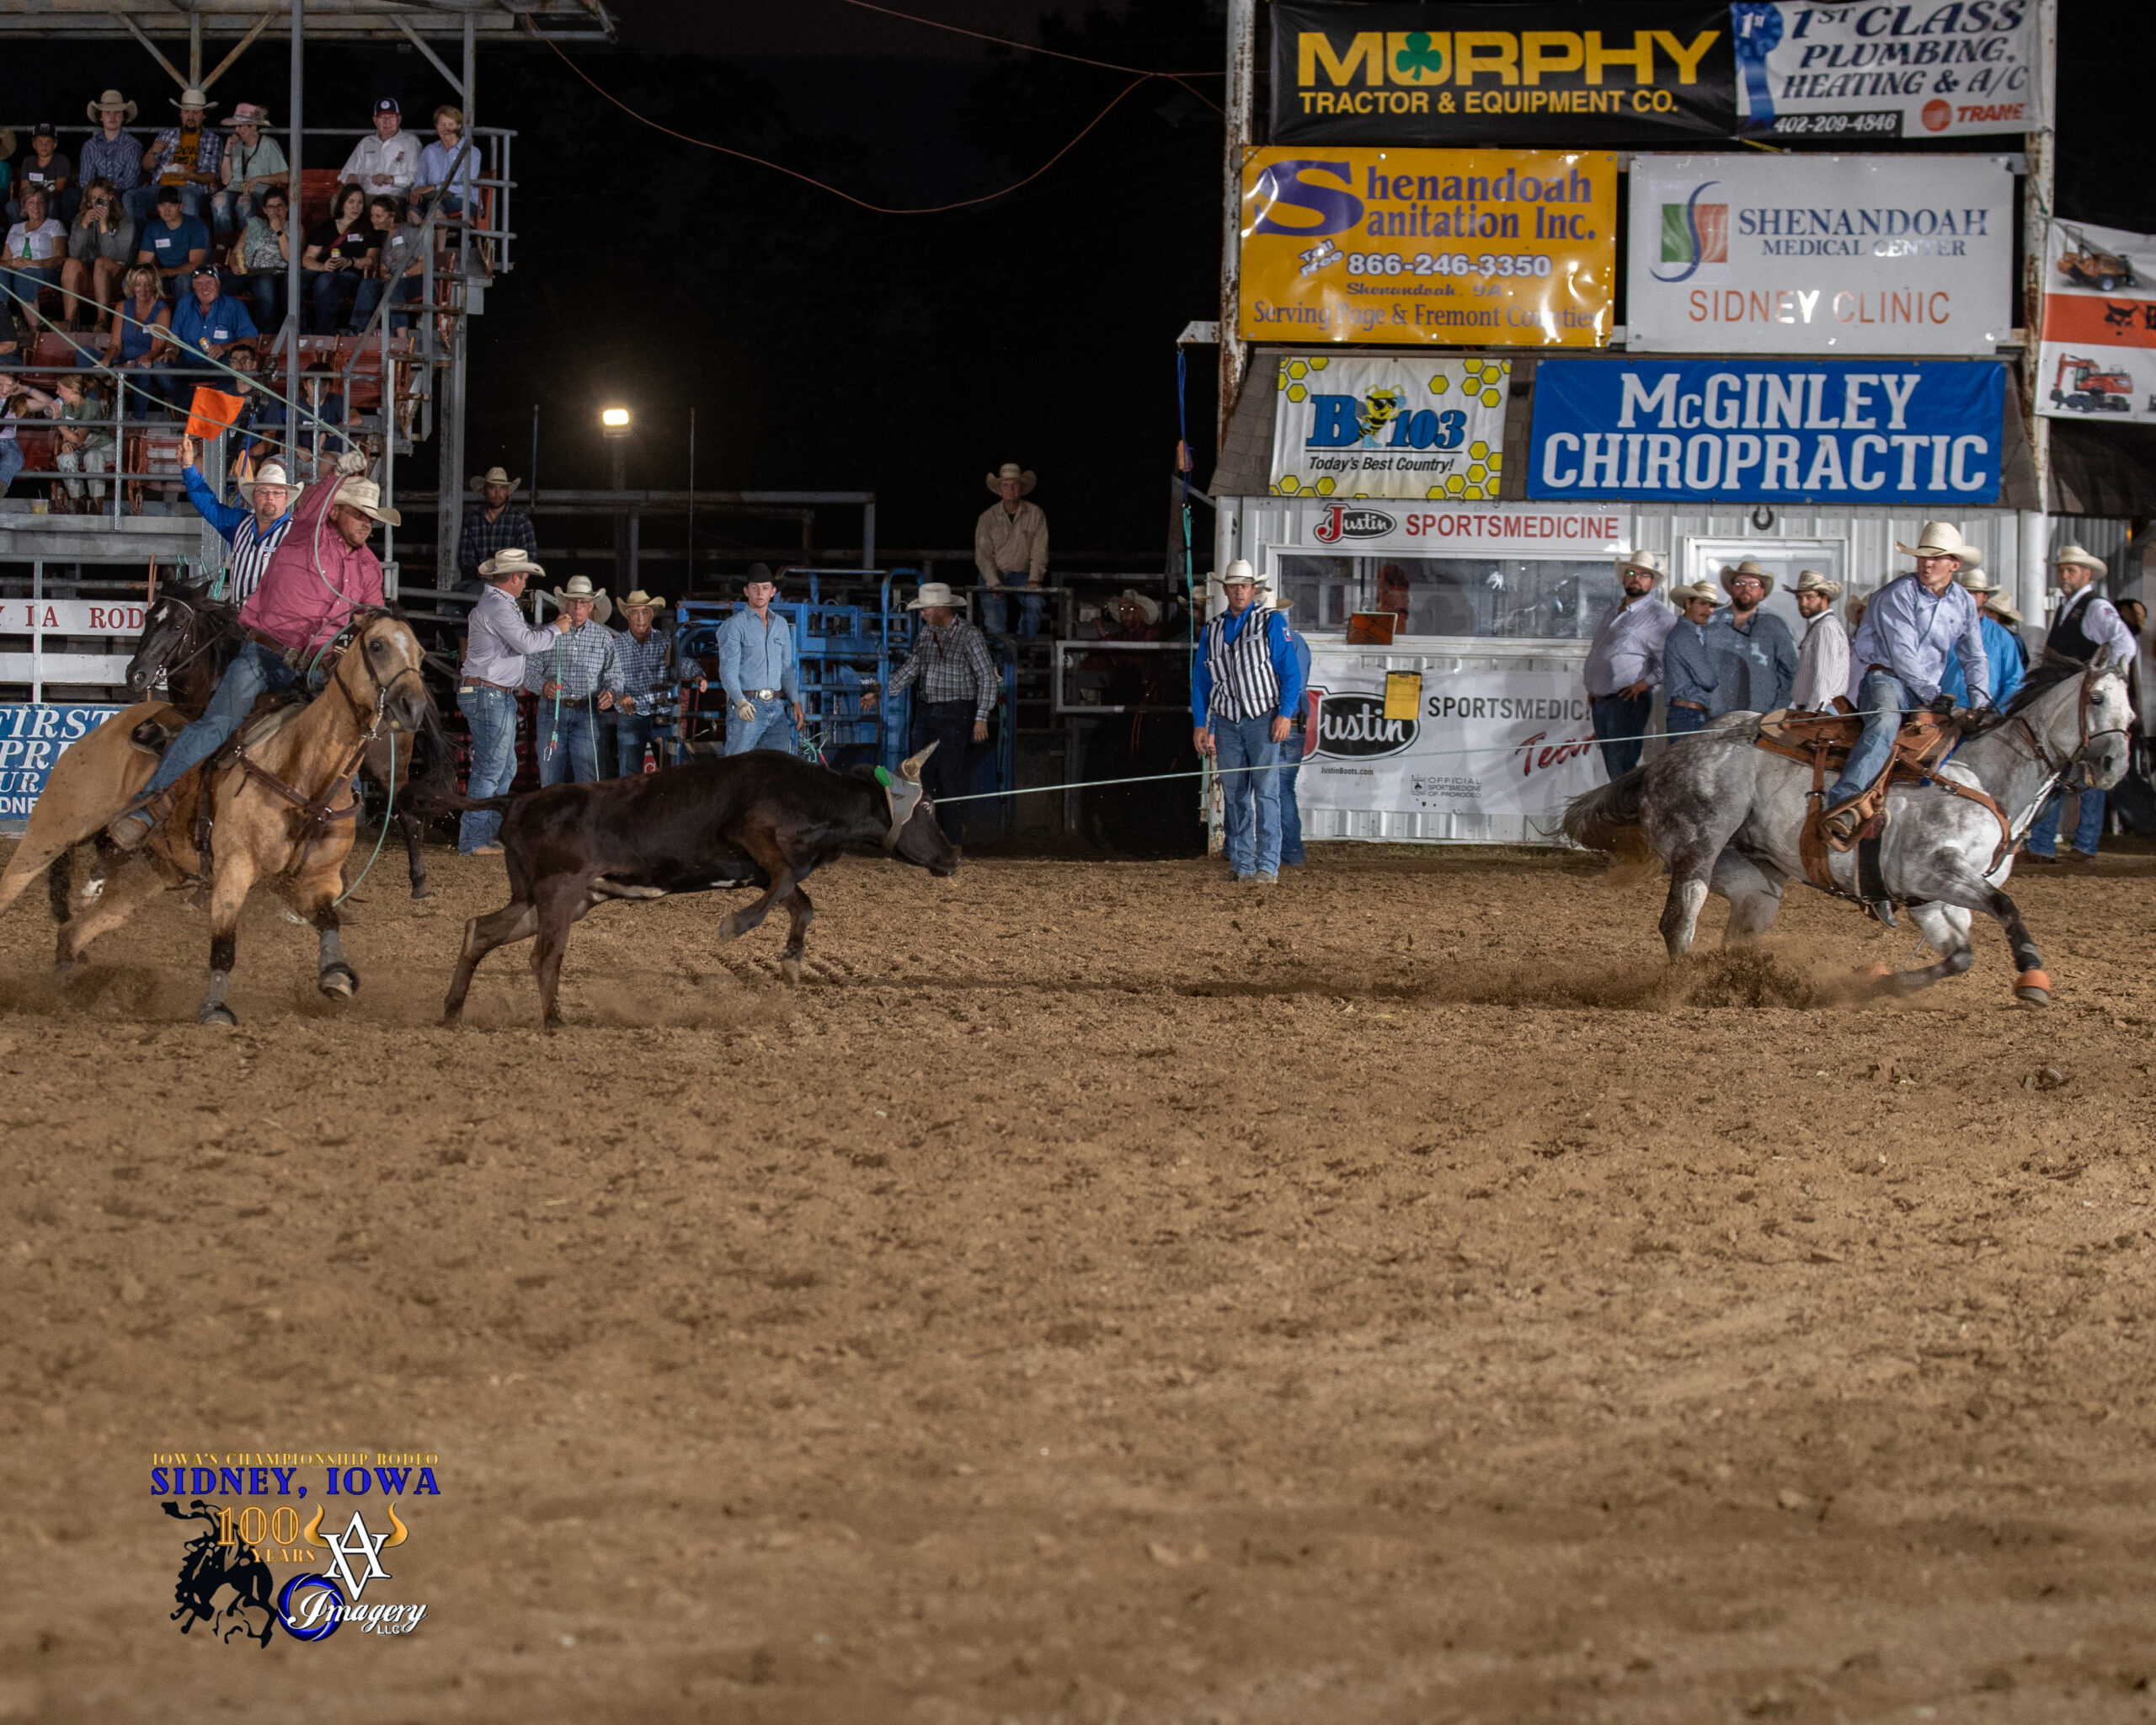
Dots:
pixel 341 643
pixel 226 625
pixel 2065 764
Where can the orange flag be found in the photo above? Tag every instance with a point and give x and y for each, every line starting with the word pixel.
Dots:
pixel 213 413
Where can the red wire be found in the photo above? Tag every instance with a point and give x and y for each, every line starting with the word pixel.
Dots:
pixel 878 209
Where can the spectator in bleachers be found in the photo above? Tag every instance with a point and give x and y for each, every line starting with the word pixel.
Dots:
pixel 136 340
pixel 82 448
pixel 207 323
pixel 495 527
pixel 17 401
pixel 186 157
pixel 436 160
pixel 389 161
pixel 99 250
pixel 7 166
pixel 43 165
pixel 397 265
pixel 253 164
pixel 265 249
pixel 36 249
pixel 337 256
pixel 111 154
pixel 173 242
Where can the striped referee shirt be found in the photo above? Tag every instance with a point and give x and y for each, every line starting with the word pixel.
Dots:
pixel 252 543
pixel 1244 671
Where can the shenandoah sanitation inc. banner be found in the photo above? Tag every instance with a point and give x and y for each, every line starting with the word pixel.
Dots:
pixel 2098 360
pixel 1492 742
pixel 1351 425
pixel 1820 254
pixel 1443 247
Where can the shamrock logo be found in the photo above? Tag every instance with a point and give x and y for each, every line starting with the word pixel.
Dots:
pixel 1418 59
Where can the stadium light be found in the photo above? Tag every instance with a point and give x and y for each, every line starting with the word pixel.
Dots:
pixel 615 421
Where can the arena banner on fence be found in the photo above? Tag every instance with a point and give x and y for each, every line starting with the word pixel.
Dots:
pixel 1482 742
pixel 1447 247
pixel 73 616
pixel 1504 530
pixel 1837 254
pixel 2098 360
pixel 1748 431
pixel 32 738
pixel 1886 71
pixel 1649 71
pixel 1355 426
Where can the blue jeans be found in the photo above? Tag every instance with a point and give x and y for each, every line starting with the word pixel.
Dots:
pixel 995 608
pixel 572 744
pixel 11 463
pixel 949 772
pixel 327 287
pixel 2088 829
pixel 772 727
pixel 1249 799
pixel 265 297
pixel 1620 722
pixel 257 671
pixel 1882 697
pixel 1681 721
pixel 1291 815
pixel 632 731
pixel 491 716
pixel 407 293
pixel 27 283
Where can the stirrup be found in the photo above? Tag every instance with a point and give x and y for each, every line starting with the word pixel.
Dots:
pixel 133 824
pixel 1832 821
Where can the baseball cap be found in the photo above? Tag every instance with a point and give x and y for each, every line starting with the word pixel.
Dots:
pixel 168 194
pixel 201 269
pixel 387 104
pixel 42 129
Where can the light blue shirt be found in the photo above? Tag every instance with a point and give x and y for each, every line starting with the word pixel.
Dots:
pixel 433 169
pixel 754 656
pixel 1910 633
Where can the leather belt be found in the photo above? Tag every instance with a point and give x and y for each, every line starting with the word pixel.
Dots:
pixel 274 645
pixel 482 683
pixel 763 694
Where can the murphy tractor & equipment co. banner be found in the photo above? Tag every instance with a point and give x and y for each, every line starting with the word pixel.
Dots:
pixel 1443 247
pixel 1653 72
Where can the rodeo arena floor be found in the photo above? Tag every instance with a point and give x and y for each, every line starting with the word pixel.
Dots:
pixel 1097 1293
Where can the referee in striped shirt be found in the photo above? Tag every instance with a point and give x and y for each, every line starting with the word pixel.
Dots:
pixel 254 529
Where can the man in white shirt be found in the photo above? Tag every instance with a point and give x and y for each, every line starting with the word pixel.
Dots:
pixel 389 161
pixel 1823 657
pixel 2084 621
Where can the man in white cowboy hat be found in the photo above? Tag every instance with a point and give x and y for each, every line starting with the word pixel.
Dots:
pixel 1899 657
pixel 495 650
pixel 322 571
pixel 253 162
pixel 2002 646
pixel 1011 551
pixel 959 687
pixel 111 154
pixel 1624 662
pixel 187 154
pixel 759 669
pixel 2085 622
pixel 253 528
pixel 1822 656
pixel 1759 653
pixel 496 526
pixel 1691 670
pixel 573 679
pixel 1245 689
pixel 643 680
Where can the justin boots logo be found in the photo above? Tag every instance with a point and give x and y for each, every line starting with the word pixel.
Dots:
pixel 1345 522
pixel 1354 727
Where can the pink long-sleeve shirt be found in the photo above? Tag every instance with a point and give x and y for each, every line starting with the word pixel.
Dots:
pixel 295 605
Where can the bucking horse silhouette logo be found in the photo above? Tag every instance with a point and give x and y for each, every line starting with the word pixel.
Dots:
pixel 210 1565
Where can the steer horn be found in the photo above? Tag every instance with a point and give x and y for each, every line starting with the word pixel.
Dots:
pixel 910 768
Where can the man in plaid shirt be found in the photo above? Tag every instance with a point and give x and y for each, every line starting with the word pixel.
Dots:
pixel 958 686
pixel 574 681
pixel 643 684
pixel 493 527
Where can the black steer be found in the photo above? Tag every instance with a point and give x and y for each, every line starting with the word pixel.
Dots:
pixel 762 818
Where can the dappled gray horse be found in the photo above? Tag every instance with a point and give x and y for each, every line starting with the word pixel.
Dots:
pixel 1724 816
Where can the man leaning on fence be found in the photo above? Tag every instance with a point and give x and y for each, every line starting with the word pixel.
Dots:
pixel 1244 689
pixel 1623 664
pixel 498 525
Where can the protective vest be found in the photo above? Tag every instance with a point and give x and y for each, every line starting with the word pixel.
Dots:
pixel 1244 685
pixel 2066 639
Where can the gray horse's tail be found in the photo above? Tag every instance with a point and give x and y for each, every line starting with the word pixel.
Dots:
pixel 1607 819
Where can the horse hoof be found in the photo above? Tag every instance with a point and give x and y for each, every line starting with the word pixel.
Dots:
pixel 340 982
pixel 790 968
pixel 62 970
pixel 218 1015
pixel 421 892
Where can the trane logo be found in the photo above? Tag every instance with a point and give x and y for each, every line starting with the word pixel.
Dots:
pixel 1341 522
pixel 1354 727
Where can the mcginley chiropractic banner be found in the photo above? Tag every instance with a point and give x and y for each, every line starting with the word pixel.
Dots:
pixel 1648 71
pixel 2098 360
pixel 1770 432
pixel 1351 425
pixel 1820 254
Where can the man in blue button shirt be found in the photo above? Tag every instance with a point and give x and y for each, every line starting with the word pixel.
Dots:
pixel 207 322
pixel 756 669
pixel 1245 687
pixel 1691 670
pixel 173 244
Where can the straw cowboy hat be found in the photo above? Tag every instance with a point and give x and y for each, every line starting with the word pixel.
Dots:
pixel 1011 470
pixel 111 102
pixel 1682 596
pixel 1131 595
pixel 580 587
pixel 495 476
pixel 192 97
pixel 641 600
pixel 2004 612
pixel 1646 562
pixel 247 114
pixel 1750 567
pixel 933 593
pixel 271 473
pixel 2087 560
pixel 508 562
pixel 1812 581
pixel 366 496
pixel 1976 581
pixel 1941 539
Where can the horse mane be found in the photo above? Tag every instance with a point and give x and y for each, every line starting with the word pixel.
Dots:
pixel 2042 680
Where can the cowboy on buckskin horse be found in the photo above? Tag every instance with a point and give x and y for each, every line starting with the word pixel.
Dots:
pixel 1899 657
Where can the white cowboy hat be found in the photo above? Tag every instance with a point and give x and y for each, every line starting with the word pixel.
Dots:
pixel 1812 581
pixel 366 496
pixel 1941 539
pixel 1239 570
pixel 271 473
pixel 1011 470
pixel 510 562
pixel 495 476
pixel 1131 595
pixel 2087 560
pixel 641 600
pixel 1976 581
pixel 1646 562
pixel 2004 612
pixel 110 102
pixel 192 97
pixel 580 587
pixel 1682 596
pixel 1750 567
pixel 933 593
pixel 247 114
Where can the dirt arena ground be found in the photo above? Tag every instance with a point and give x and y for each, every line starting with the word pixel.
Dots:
pixel 1099 1294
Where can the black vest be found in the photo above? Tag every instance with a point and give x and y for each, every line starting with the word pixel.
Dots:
pixel 2067 638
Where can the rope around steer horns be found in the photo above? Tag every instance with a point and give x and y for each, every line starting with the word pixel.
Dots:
pixel 905 793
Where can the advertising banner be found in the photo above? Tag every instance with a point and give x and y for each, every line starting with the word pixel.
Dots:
pixel 1483 742
pixel 1651 71
pixel 1751 431
pixel 1820 254
pixel 2098 360
pixel 1886 71
pixel 1506 530
pixel 1446 248
pixel 1353 426
pixel 73 616
pixel 31 738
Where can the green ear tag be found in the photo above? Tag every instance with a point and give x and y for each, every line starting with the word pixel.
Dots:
pixel 883 778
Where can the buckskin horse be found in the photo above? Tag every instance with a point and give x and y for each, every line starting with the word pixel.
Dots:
pixel 281 805
pixel 1726 816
